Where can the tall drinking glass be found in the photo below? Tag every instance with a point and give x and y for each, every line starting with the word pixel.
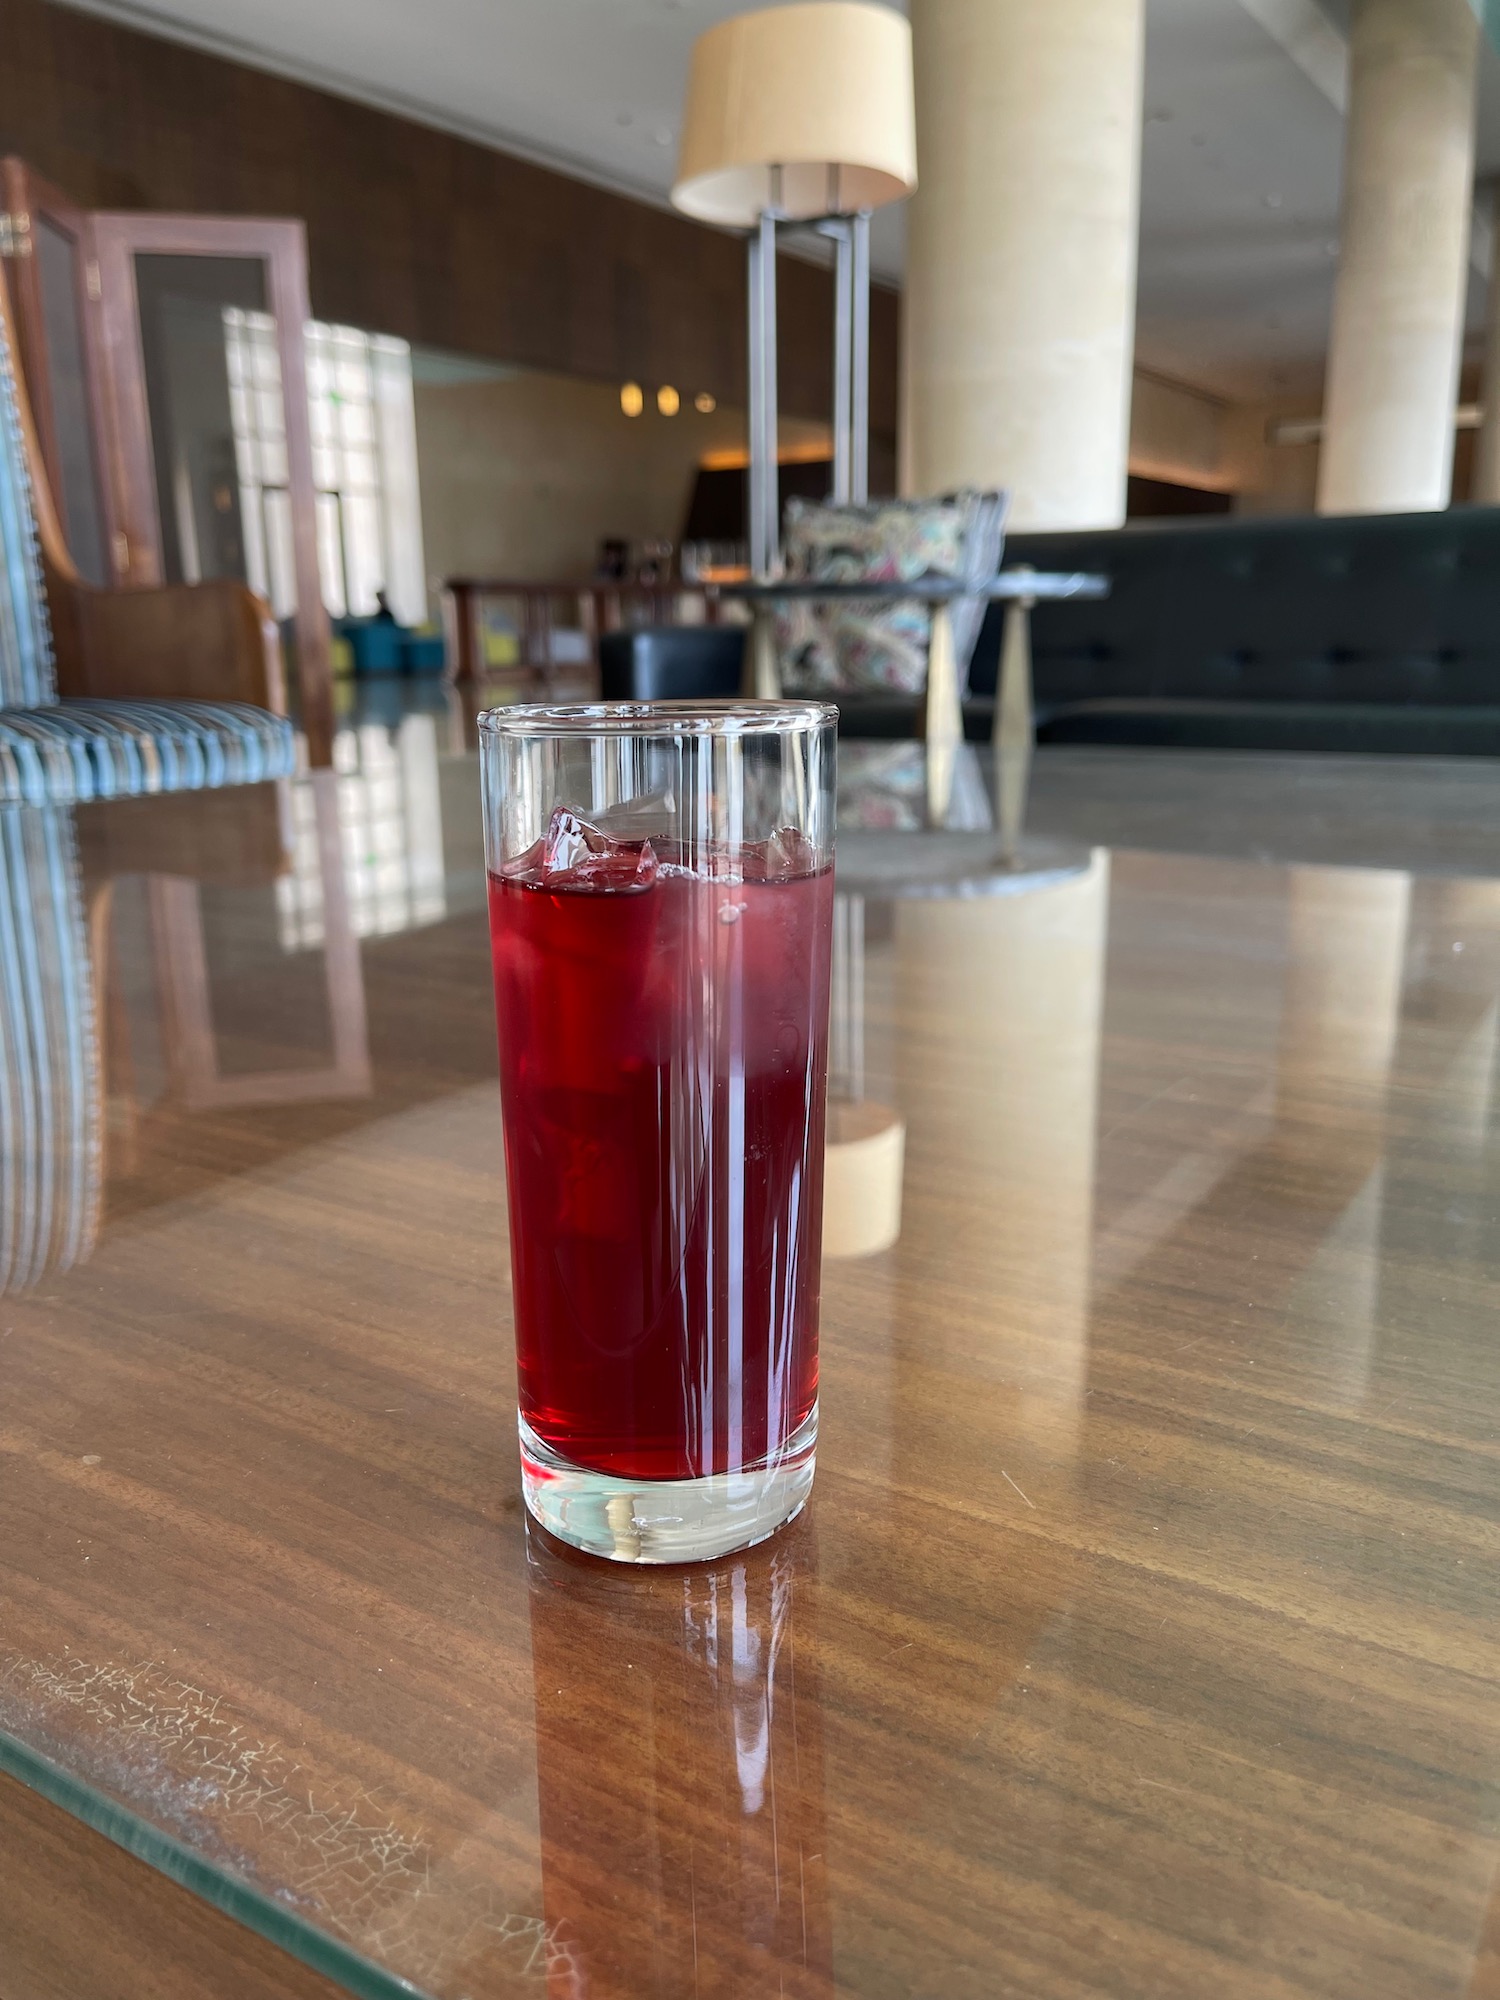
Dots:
pixel 661 898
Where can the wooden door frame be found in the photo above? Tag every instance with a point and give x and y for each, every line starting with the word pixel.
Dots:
pixel 281 245
pixel 27 195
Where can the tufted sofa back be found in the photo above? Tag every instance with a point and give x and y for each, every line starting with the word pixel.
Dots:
pixel 1393 609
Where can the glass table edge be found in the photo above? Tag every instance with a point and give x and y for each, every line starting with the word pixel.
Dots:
pixel 1005 585
pixel 212 1884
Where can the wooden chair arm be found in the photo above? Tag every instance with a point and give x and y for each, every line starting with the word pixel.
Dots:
pixel 214 641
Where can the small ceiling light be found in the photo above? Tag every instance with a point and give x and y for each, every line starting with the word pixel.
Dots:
pixel 668 401
pixel 632 399
pixel 705 404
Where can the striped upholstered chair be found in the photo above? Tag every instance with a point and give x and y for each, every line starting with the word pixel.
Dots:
pixel 172 649
pixel 51 1081
pixel 56 754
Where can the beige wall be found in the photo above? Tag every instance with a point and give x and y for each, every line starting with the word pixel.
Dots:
pixel 1177 433
pixel 1195 440
pixel 525 475
pixel 1269 478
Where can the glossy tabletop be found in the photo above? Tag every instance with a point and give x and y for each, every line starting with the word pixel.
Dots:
pixel 1141 1635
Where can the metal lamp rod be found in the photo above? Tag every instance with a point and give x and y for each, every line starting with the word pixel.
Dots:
pixel 843 359
pixel 851 371
pixel 765 510
pixel 859 363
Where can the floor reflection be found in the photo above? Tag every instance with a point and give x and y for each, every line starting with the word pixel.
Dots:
pixel 1319 1202
pixel 148 954
pixel 680 1773
pixel 183 976
pixel 864 1163
pixel 999 1001
pixel 388 800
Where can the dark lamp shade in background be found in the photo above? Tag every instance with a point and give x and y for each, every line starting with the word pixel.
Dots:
pixel 822 91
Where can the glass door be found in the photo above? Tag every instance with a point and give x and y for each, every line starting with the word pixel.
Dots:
pixel 55 296
pixel 204 346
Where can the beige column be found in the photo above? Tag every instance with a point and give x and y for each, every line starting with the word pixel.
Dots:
pixel 1020 287
pixel 1399 298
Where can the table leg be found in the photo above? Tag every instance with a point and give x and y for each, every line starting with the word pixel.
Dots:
pixel 1014 728
pixel 762 675
pixel 945 716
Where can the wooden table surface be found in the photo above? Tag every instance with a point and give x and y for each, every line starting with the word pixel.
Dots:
pixel 1140 1638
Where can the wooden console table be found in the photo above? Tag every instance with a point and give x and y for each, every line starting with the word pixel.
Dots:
pixel 591 608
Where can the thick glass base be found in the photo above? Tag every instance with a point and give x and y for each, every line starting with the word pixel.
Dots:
pixel 666 1520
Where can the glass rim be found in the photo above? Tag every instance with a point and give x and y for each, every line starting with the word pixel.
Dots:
pixel 727 718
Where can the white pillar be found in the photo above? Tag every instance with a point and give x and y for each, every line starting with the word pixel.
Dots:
pixel 1398 303
pixel 1020 287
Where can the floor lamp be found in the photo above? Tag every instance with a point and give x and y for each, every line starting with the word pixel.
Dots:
pixel 801 117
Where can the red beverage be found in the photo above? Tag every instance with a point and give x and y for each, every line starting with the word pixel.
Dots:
pixel 663 1052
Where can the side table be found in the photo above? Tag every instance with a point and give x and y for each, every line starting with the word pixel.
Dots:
pixel 1013 728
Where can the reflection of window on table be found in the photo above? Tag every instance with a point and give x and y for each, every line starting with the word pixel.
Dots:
pixel 364 449
pixel 391 823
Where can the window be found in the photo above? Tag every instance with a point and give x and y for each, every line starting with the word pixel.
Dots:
pixel 364 450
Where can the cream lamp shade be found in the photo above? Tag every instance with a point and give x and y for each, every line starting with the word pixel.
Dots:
pixel 821 91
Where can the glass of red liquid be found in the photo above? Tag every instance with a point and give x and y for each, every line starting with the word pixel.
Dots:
pixel 661 900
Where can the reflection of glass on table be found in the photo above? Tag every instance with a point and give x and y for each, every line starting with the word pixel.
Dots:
pixel 679 1740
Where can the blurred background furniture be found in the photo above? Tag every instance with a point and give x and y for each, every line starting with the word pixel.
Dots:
pixel 164 357
pixel 672 663
pixel 496 624
pixel 180 650
pixel 1343 633
pixel 68 739
pixel 841 644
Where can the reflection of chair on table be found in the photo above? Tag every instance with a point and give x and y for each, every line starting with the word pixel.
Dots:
pixel 183 978
pixel 193 656
pixel 50 1088
pixel 170 690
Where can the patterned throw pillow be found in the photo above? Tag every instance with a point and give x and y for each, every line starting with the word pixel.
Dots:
pixel 880 645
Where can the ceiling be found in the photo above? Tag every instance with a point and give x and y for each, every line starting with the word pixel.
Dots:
pixel 1240 148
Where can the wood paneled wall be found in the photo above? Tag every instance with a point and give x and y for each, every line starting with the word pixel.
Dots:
pixel 412 231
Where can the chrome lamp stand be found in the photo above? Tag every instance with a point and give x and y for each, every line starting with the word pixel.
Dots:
pixel 850 236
